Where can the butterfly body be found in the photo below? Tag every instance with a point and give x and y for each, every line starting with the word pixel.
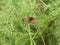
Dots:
pixel 30 19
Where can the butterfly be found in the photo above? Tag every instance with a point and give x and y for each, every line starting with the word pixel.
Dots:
pixel 30 19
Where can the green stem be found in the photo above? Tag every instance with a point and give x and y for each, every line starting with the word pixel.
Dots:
pixel 43 39
pixel 34 42
pixel 29 34
pixel 42 2
pixel 40 32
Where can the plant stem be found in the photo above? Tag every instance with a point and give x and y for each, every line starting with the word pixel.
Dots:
pixel 34 42
pixel 29 34
pixel 43 39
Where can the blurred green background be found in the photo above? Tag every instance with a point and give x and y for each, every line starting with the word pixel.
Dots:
pixel 14 31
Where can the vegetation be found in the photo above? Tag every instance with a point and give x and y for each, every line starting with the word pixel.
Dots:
pixel 15 31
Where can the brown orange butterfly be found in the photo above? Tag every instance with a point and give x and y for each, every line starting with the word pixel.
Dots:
pixel 30 19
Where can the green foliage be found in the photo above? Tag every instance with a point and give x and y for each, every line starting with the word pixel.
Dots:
pixel 14 31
